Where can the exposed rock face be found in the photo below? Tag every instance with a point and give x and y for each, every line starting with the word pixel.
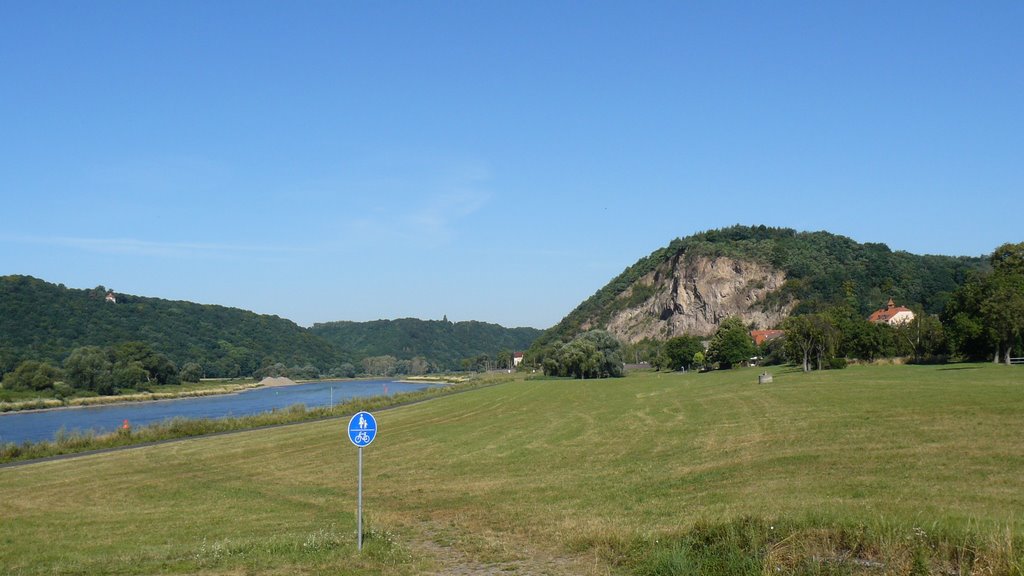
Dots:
pixel 692 295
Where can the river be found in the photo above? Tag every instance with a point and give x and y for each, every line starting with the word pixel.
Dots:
pixel 39 425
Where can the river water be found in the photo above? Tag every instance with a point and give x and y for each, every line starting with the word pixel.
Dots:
pixel 42 425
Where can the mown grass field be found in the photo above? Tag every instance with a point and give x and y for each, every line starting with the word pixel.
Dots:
pixel 874 470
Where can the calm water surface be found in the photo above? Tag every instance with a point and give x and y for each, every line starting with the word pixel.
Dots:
pixel 36 426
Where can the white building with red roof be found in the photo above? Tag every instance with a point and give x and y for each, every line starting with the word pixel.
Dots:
pixel 891 315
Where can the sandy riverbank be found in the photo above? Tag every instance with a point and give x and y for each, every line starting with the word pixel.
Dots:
pixel 277 382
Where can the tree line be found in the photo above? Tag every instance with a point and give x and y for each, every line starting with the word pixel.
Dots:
pixel 983 319
pixel 127 367
pixel 444 344
pixel 135 367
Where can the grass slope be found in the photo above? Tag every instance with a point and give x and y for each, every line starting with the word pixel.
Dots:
pixel 898 469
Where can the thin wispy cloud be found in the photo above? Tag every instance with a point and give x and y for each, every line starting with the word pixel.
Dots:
pixel 420 209
pixel 436 220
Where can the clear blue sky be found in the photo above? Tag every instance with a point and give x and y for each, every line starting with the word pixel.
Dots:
pixel 495 161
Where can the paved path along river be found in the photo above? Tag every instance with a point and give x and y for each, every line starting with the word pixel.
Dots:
pixel 36 426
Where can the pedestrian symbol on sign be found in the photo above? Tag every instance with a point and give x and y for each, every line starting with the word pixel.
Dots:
pixel 362 429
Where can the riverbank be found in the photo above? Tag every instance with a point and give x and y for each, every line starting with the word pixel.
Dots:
pixel 40 404
pixel 180 427
pixel 447 379
pixel 207 388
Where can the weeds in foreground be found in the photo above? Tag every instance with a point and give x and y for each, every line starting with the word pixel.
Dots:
pixel 324 546
pixel 755 547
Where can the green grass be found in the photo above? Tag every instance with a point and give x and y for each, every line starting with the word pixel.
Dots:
pixel 873 470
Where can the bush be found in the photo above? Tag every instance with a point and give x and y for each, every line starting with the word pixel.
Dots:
pixel 32 375
pixel 191 372
pixel 62 390
pixel 837 363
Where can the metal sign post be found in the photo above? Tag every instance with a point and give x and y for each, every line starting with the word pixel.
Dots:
pixel 362 429
pixel 359 513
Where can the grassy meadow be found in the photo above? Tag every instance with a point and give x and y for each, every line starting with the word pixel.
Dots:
pixel 868 470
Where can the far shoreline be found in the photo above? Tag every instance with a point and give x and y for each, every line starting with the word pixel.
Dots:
pixel 223 390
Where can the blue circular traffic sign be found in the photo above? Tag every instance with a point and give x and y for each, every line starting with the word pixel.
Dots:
pixel 362 429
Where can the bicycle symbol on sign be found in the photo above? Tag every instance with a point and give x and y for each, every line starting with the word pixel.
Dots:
pixel 362 428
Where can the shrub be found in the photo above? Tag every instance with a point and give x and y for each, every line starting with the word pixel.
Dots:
pixel 191 372
pixel 32 375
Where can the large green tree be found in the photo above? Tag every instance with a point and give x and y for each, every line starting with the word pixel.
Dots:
pixel 593 354
pixel 924 335
pixel 157 367
pixel 580 359
pixel 379 365
pixel 811 336
pixel 731 344
pixel 968 335
pixel 1003 311
pixel 678 352
pixel 799 340
pixel 1008 258
pixel 986 315
pixel 89 368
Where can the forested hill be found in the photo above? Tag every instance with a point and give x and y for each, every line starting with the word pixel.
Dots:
pixel 761 274
pixel 44 321
pixel 441 341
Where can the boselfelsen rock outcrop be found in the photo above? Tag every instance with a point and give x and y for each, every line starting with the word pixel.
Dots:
pixel 692 295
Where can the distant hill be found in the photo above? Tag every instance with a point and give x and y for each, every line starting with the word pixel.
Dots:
pixel 762 275
pixel 44 321
pixel 444 342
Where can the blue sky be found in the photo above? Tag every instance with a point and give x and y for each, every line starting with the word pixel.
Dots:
pixel 494 161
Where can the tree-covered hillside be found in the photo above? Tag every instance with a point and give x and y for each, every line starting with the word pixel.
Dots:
pixel 443 342
pixel 821 269
pixel 44 321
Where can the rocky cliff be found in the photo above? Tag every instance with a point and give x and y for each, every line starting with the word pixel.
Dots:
pixel 692 295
